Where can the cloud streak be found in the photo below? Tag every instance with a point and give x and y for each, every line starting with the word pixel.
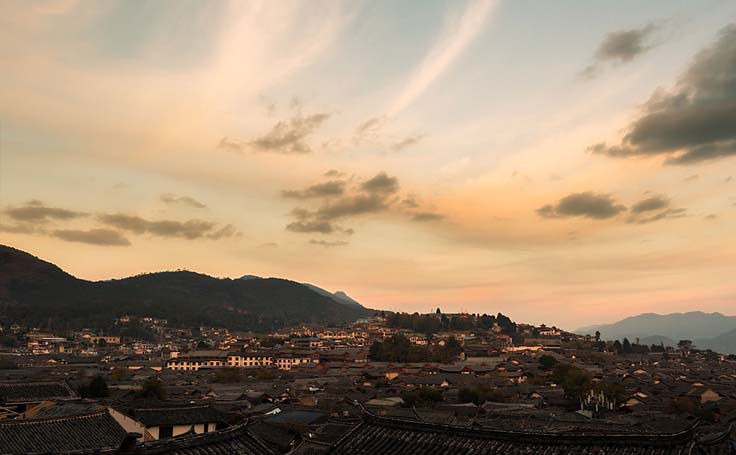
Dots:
pixel 36 212
pixel 101 237
pixel 172 199
pixel 327 189
pixel 191 229
pixel 458 35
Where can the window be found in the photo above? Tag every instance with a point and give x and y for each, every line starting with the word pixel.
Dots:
pixel 165 432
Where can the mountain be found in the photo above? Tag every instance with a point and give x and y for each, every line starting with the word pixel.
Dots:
pixel 658 339
pixel 339 296
pixel 724 343
pixel 707 330
pixel 38 293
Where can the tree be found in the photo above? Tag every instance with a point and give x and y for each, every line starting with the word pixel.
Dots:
pixel 626 348
pixel 95 388
pixel 617 347
pixel 438 312
pixel 120 374
pixel 547 362
pixel 421 397
pixel 572 379
pixel 597 336
pixel 227 375
pixel 152 388
pixel 684 346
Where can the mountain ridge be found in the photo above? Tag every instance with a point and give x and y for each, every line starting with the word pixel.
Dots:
pixel 714 331
pixel 41 294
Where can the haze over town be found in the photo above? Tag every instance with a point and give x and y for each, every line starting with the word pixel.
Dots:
pixel 567 164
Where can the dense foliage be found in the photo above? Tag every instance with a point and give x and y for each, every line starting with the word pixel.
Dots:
pixel 421 397
pixel 95 388
pixel 152 388
pixel 433 323
pixel 572 379
pixel 398 348
pixel 479 395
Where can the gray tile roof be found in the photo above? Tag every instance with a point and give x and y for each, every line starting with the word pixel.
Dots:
pixel 381 435
pixel 97 433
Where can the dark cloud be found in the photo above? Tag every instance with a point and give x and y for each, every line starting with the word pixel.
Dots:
pixel 303 226
pixel 289 136
pixel 654 208
pixel 649 204
pixel 427 216
pixel 329 244
pixel 382 183
pixel 624 45
pixel 620 47
pixel 334 173
pixel 173 199
pixel 711 217
pixel 410 202
pixel 692 178
pixel 372 196
pixel 353 205
pixel 327 189
pixel 693 122
pixel 35 211
pixel 406 142
pixel 103 237
pixel 587 205
pixel 191 229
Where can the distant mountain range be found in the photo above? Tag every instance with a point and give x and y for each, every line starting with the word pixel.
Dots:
pixel 41 294
pixel 707 330
pixel 338 296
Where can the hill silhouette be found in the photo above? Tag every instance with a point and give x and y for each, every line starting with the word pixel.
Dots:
pixel 40 294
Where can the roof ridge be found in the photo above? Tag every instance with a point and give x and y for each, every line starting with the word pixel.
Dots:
pixel 498 433
pixel 21 422
pixel 177 408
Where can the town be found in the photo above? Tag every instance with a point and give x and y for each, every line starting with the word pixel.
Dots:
pixel 316 389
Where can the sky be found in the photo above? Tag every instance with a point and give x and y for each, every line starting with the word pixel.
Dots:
pixel 562 162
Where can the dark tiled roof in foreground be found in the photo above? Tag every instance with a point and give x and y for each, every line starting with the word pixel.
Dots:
pixel 98 433
pixel 32 392
pixel 234 440
pixel 187 415
pixel 382 435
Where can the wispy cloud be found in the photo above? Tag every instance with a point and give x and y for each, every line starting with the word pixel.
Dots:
pixel 36 212
pixel 189 201
pixel 458 35
pixel 328 243
pixel 406 142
